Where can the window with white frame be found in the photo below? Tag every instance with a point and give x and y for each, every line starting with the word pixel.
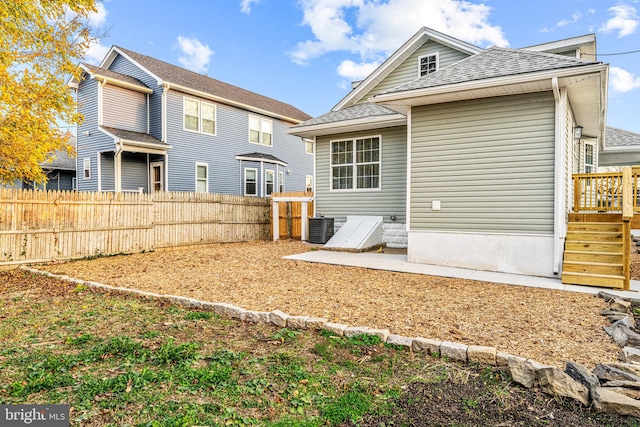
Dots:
pixel 260 130
pixel 589 160
pixel 427 64
pixel 202 177
pixel 199 116
pixel 280 182
pixel 355 164
pixel 308 146
pixel 250 182
pixel 309 183
pixel 268 182
pixel 86 166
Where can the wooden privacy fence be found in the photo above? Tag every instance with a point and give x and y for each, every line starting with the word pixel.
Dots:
pixel 290 214
pixel 39 226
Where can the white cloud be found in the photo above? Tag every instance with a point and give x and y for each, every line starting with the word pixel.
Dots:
pixel 99 17
pixel 622 80
pixel 96 53
pixel 625 20
pixel 245 5
pixel 352 71
pixel 574 18
pixel 373 29
pixel 194 55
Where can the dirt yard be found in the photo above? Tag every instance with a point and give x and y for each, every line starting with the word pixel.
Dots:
pixel 549 326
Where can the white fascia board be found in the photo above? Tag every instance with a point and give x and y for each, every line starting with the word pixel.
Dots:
pixel 399 56
pixel 622 149
pixel 365 123
pixel 112 55
pixel 559 45
pixel 254 159
pixel 222 100
pixel 116 82
pixel 486 83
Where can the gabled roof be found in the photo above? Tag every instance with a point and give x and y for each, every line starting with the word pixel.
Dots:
pixel 60 159
pixel 198 84
pixel 129 139
pixel 494 62
pixel 114 78
pixel 356 117
pixel 621 139
pixel 399 56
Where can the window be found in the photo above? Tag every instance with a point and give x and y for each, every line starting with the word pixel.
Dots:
pixel 355 164
pixel 280 182
pixel 202 177
pixel 427 64
pixel 86 166
pixel 308 146
pixel 309 184
pixel 199 116
pixel 260 130
pixel 589 165
pixel 74 183
pixel 268 182
pixel 250 182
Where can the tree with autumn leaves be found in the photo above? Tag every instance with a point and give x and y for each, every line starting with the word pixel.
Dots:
pixel 41 43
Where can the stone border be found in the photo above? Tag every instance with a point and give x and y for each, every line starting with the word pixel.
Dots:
pixel 575 382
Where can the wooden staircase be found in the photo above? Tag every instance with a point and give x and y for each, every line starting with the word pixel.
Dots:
pixel 594 251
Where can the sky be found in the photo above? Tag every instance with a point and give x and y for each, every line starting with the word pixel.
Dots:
pixel 307 52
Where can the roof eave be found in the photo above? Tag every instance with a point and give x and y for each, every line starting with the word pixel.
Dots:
pixel 117 82
pixel 223 100
pixel 256 159
pixel 354 125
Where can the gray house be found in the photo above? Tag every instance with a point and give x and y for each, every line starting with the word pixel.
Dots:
pixel 621 148
pixel 466 153
pixel 152 126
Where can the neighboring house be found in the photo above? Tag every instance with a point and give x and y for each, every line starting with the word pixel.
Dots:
pixel 152 126
pixel 621 148
pixel 466 153
pixel 60 169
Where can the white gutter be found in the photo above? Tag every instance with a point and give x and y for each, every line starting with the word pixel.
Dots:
pixel 408 180
pixel 558 196
pixel 364 123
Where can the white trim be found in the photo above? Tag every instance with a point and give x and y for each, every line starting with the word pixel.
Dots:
pixel 354 164
pixel 273 181
pixel 100 101
pixel 165 92
pixel 254 159
pixel 558 196
pixel 561 45
pixel 308 141
pixel 349 126
pixel 244 182
pixel 280 181
pixel 408 178
pixel 86 161
pixel 593 163
pixel 206 165
pixel 200 117
pixel 112 81
pixel 260 132
pixel 437 55
pixel 99 169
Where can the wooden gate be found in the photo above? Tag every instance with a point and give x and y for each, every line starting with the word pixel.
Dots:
pixel 290 214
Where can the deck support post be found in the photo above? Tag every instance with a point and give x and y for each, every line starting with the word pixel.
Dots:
pixel 627 215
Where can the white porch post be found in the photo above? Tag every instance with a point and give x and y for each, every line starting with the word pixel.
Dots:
pixel 303 225
pixel 276 221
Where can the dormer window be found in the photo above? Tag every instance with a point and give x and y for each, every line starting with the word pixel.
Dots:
pixel 427 64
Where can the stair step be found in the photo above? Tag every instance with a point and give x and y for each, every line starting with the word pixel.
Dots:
pixel 593 267
pixel 595 226
pixel 601 280
pixel 591 246
pixel 594 236
pixel 593 256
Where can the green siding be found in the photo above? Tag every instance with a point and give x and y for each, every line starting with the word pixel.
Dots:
pixel 489 161
pixel 389 200
pixel 408 70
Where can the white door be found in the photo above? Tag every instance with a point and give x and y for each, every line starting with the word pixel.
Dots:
pixel 156 176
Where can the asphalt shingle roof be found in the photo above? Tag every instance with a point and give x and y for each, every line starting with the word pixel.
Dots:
pixel 353 112
pixel 134 136
pixel 262 156
pixel 180 76
pixel 615 137
pixel 114 75
pixel 491 63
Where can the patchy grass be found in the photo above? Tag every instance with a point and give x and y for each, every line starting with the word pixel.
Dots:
pixel 132 361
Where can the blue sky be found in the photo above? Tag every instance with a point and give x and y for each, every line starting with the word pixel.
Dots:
pixel 306 52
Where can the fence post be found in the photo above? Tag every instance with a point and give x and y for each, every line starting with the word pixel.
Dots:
pixel 627 215
pixel 276 221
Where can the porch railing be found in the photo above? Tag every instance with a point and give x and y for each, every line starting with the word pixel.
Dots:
pixel 603 192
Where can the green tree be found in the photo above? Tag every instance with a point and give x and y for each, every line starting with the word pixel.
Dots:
pixel 41 43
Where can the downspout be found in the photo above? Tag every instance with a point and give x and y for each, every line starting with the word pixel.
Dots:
pixel 163 123
pixel 117 164
pixel 408 178
pixel 558 198
pixel 313 183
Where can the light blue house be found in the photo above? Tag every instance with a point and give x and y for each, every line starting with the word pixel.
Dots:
pixel 152 126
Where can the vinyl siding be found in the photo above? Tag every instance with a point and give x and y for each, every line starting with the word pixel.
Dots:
pixel 124 109
pixel 107 171
pixel 408 70
pixel 135 172
pixel 124 66
pixel 219 151
pixel 490 162
pixel 389 200
pixel 89 145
